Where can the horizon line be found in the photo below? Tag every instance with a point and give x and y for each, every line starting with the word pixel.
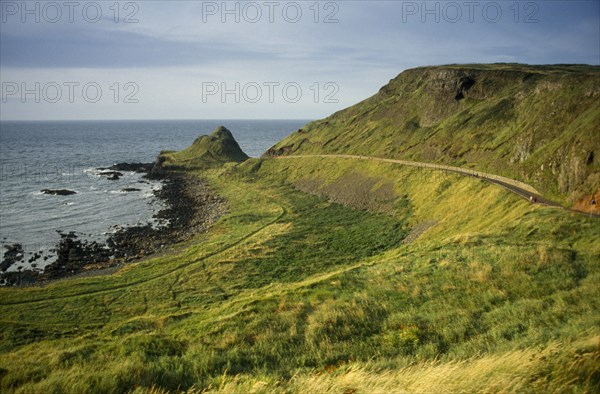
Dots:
pixel 146 120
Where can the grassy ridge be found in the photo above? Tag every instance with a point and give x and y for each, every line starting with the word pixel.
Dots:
pixel 537 124
pixel 291 291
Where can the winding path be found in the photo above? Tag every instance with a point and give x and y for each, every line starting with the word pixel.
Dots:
pixel 519 188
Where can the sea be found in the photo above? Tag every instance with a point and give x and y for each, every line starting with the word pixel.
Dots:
pixel 37 155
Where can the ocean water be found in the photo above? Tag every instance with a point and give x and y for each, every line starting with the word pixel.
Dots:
pixel 65 155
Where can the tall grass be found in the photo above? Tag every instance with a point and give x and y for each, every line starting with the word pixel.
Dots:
pixel 291 292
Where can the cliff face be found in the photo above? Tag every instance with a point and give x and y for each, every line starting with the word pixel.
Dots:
pixel 538 124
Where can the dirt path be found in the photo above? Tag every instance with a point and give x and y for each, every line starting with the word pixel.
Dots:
pixel 519 188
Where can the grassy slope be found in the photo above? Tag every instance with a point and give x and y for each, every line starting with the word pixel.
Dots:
pixel 537 124
pixel 292 292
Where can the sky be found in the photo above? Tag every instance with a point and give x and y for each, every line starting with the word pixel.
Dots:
pixel 70 60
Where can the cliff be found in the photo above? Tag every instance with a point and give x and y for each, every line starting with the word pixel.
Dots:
pixel 537 124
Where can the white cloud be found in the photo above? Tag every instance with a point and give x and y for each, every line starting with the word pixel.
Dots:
pixel 171 52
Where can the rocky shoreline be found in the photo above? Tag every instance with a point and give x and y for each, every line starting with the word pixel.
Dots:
pixel 191 206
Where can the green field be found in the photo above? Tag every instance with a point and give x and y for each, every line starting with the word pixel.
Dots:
pixel 308 284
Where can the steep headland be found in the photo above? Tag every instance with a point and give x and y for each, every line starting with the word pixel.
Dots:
pixel 536 124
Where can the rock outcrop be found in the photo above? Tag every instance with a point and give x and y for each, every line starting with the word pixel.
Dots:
pixel 58 192
pixel 207 151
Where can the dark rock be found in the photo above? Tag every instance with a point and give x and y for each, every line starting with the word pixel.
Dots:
pixel 20 278
pixel 158 171
pixel 152 170
pixel 134 167
pixel 130 189
pixel 33 258
pixel 14 254
pixel 73 254
pixel 463 86
pixel 111 175
pixel 58 192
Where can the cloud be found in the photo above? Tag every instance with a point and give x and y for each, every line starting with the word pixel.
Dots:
pixel 172 50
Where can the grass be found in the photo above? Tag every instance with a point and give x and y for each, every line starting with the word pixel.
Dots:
pixel 479 374
pixel 291 292
pixel 207 151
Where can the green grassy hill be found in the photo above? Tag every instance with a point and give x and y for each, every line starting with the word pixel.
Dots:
pixel 537 124
pixel 328 275
pixel 207 151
